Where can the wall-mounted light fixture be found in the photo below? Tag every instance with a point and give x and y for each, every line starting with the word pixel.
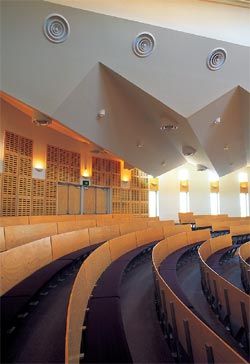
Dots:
pixel 39 166
pixel 126 175
pixel 86 173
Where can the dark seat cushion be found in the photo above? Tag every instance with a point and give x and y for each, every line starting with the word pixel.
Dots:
pixel 30 285
pixel 109 282
pixel 105 339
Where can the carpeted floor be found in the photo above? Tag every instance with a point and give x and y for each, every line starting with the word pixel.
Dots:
pixel 142 328
pixel 190 281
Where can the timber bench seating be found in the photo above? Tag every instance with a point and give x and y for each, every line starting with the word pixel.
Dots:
pixel 27 268
pixel 183 328
pixel 87 265
pixel 104 339
pixel 112 258
pixel 244 255
pixel 231 304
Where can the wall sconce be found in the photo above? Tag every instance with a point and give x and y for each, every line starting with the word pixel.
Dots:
pixel 126 175
pixel 86 173
pixel 39 166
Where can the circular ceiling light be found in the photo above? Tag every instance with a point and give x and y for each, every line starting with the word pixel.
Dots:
pixel 140 145
pixel 40 119
pixel 188 151
pixel 143 44
pixel 201 168
pixel 217 121
pixel 169 127
pixel 226 147
pixel 56 28
pixel 216 59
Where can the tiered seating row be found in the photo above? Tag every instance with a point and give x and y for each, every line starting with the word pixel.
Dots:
pixel 231 304
pixel 190 335
pixel 100 220
pixel 218 223
pixel 244 255
pixel 13 236
pixel 93 268
pixel 199 220
pixel 21 261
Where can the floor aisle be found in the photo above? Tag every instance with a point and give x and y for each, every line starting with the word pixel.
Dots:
pixel 144 335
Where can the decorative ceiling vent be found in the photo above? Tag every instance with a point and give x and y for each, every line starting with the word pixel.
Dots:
pixel 201 168
pixel 40 119
pixel 56 28
pixel 144 44
pixel 188 151
pixel 216 59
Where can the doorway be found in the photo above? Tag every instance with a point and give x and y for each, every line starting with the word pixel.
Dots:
pixel 69 199
pixel 96 200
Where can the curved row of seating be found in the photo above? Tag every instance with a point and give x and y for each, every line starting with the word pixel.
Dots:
pixel 99 219
pixel 26 268
pixel 27 265
pixel 17 235
pixel 194 341
pixel 230 303
pixel 244 255
pixel 220 222
pixel 93 268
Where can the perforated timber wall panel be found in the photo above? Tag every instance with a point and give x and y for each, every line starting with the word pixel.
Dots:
pixel 131 200
pixel 62 166
pixel 38 196
pixel 17 175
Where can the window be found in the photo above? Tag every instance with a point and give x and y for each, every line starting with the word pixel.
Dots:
pixel 244 197
pixel 184 202
pixel 153 204
pixel 215 203
pixel 244 204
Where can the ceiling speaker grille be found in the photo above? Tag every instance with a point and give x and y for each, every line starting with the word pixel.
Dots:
pixel 144 44
pixel 216 59
pixel 56 28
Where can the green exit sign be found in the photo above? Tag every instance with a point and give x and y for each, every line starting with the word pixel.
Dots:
pixel 85 183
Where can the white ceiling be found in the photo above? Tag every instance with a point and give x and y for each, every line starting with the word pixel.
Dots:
pixel 96 68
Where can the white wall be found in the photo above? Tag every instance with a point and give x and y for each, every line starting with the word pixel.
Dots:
pixel 213 20
pixel 199 192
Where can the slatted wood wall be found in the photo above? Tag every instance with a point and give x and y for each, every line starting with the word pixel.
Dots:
pixel 20 194
pixel 17 175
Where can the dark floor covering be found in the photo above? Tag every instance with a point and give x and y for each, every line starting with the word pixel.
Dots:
pixel 190 281
pixel 142 328
pixel 40 336
pixel 230 269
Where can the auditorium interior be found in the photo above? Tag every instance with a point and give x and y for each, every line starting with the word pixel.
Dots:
pixel 125 181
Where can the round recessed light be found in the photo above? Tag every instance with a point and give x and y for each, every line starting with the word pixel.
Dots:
pixel 140 145
pixel 163 164
pixel 188 151
pixel 101 114
pixel 217 121
pixel 201 168
pixel 226 147
pixel 169 127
